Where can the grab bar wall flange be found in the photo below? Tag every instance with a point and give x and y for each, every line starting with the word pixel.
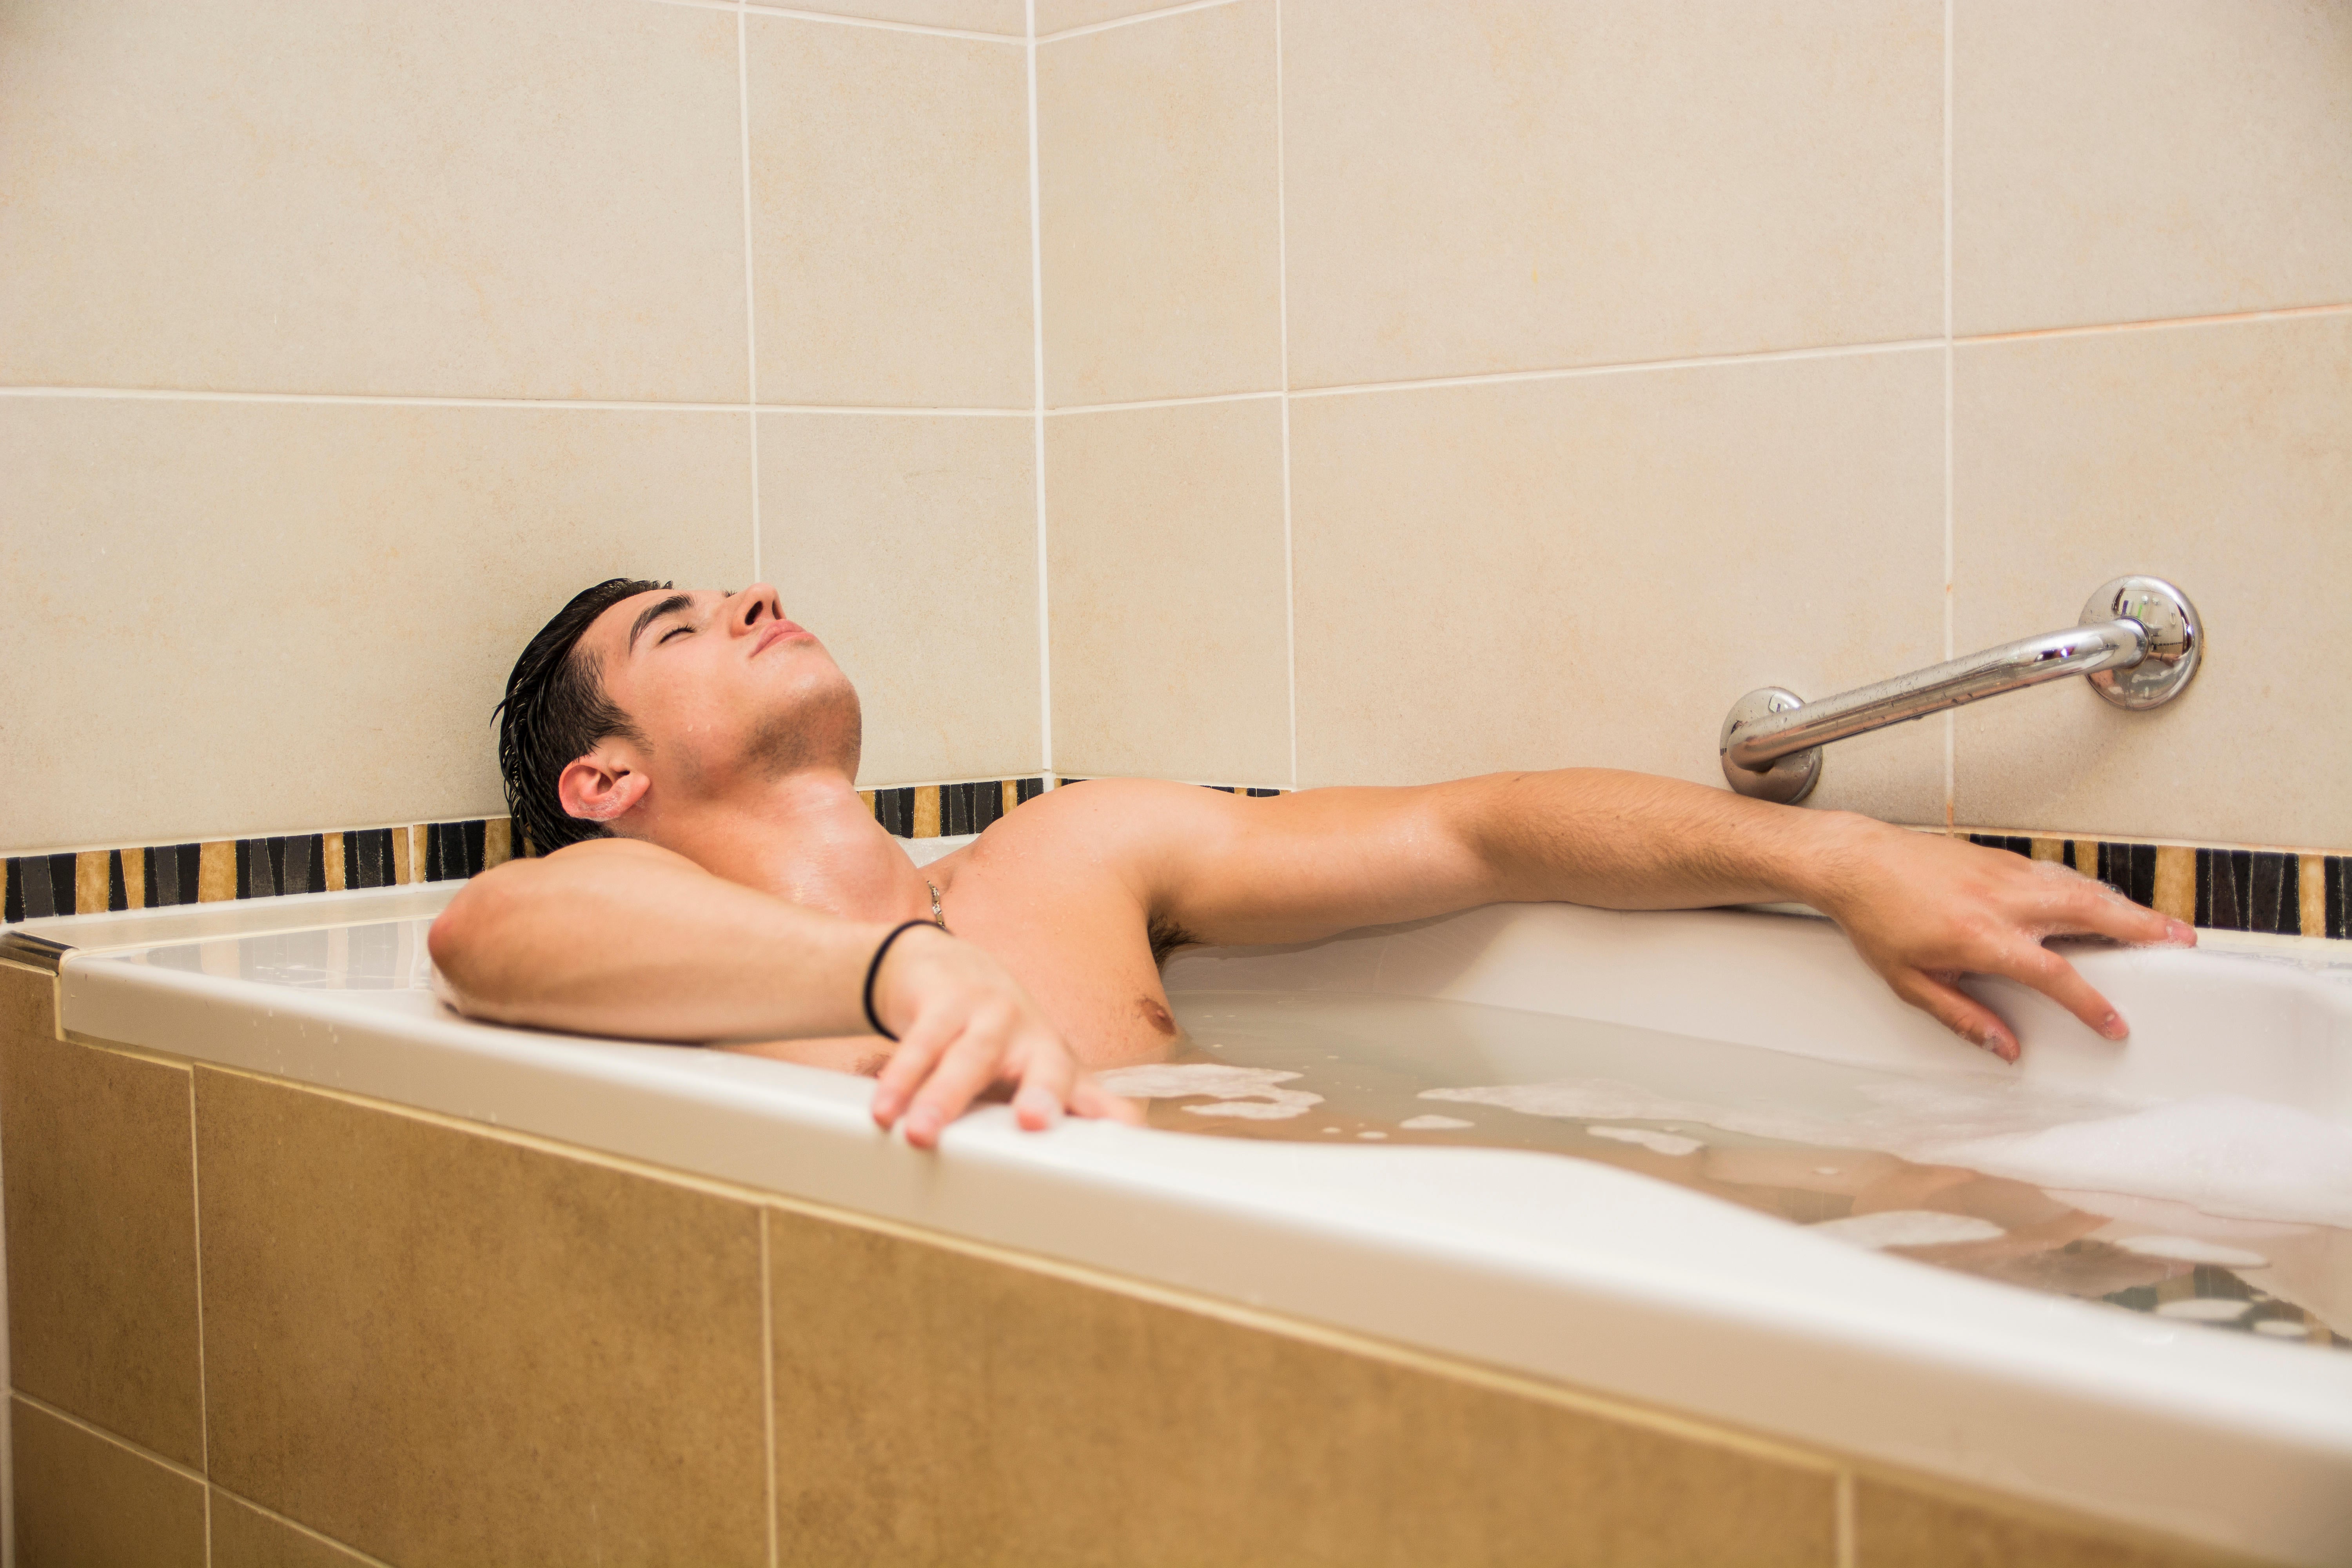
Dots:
pixel 2139 641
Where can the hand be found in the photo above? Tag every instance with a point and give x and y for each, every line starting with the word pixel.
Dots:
pixel 1923 911
pixel 963 1025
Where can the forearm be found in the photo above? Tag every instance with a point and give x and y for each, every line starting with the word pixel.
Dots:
pixel 1632 841
pixel 597 944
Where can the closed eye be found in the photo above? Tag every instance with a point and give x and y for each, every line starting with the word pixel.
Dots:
pixel 673 632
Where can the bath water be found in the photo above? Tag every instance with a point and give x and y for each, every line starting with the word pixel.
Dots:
pixel 2227 1213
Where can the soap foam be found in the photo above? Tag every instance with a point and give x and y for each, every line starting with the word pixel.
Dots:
pixel 1657 1142
pixel 2204 1310
pixel 1433 1124
pixel 1252 1093
pixel 2223 1154
pixel 1908 1227
pixel 2220 1154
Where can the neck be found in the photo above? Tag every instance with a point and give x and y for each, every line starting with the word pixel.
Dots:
pixel 807 837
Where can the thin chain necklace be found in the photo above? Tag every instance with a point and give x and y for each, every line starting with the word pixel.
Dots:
pixel 938 917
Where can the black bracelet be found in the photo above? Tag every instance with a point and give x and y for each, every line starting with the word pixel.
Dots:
pixel 875 969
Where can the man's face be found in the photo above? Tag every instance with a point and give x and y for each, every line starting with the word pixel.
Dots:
pixel 724 688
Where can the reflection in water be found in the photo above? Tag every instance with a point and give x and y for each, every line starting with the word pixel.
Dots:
pixel 1875 1159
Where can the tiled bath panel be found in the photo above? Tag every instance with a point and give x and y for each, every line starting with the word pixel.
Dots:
pixel 430 1341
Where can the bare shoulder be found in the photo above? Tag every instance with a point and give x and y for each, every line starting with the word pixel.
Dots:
pixel 1104 818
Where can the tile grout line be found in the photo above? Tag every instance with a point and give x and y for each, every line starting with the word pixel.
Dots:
pixel 788 13
pixel 569 405
pixel 1624 367
pixel 299 1527
pixel 1038 402
pixel 1557 373
pixel 751 292
pixel 1152 15
pixel 2159 323
pixel 768 1379
pixel 204 1391
pixel 1193 401
pixel 1951 717
pixel 1282 320
pixel 115 1438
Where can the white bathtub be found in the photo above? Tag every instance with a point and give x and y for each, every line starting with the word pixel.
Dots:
pixel 1560 1268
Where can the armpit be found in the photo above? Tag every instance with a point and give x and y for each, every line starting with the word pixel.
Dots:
pixel 1166 936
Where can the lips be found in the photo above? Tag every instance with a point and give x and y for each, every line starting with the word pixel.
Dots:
pixel 779 631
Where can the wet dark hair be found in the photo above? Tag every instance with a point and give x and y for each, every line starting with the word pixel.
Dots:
pixel 554 712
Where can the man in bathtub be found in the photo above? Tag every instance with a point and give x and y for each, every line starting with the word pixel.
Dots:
pixel 689 758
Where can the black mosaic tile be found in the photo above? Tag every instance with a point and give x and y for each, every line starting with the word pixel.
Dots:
pixel 2274 901
pixel 895 810
pixel 2337 903
pixel 305 864
pixel 2225 879
pixel 256 877
pixel 40 885
pixel 170 874
pixel 1027 790
pixel 453 850
pixel 2003 841
pixel 12 896
pixel 987 805
pixel 2129 870
pixel 367 857
pixel 1262 793
pixel 118 892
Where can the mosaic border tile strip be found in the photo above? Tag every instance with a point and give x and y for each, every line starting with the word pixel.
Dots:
pixel 2278 892
pixel 2281 892
pixel 158 875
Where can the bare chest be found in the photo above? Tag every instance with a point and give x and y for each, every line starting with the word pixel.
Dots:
pixel 1079 946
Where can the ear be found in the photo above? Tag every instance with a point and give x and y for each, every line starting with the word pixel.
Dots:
pixel 600 787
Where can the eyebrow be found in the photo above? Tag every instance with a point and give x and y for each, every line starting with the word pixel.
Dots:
pixel 652 613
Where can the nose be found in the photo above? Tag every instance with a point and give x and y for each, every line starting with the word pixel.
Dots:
pixel 754 605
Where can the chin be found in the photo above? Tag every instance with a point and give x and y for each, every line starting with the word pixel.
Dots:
pixel 822 727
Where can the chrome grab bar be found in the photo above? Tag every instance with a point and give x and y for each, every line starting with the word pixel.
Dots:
pixel 2140 642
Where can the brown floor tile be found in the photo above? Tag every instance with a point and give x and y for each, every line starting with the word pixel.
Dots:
pixel 84 1502
pixel 440 1347
pixel 244 1537
pixel 101 1242
pixel 933 1408
pixel 1895 1527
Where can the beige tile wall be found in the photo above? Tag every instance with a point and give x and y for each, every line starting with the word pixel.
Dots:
pixel 340 345
pixel 1728 290
pixel 1166 561
pixel 1158 210
pixel 910 546
pixel 957 205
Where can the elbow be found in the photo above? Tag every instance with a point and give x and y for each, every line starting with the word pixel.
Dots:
pixel 467 938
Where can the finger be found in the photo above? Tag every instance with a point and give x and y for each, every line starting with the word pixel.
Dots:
pixel 1090 1097
pixel 2031 963
pixel 934 1031
pixel 1958 1012
pixel 1046 1083
pixel 970 1066
pixel 2102 911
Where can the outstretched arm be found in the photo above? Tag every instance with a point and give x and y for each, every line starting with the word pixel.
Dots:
pixel 1920 909
pixel 618 937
